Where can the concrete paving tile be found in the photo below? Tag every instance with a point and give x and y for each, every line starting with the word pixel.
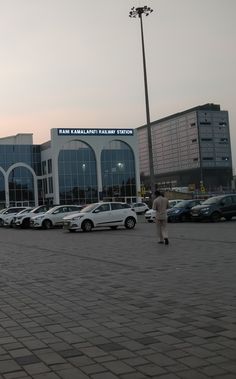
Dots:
pixel 36 368
pixel 27 359
pixel 118 367
pixel 135 375
pixel 72 373
pixel 212 371
pixel 16 375
pixel 46 375
pixel 151 370
pixel 79 301
pixel 9 365
pixel 192 374
pixel 104 375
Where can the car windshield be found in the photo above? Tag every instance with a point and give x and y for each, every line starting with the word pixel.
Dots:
pixel 25 211
pixel 212 200
pixel 181 204
pixel 89 208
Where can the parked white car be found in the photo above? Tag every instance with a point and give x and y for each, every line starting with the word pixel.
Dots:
pixel 140 208
pixel 22 219
pixel 150 215
pixel 103 214
pixel 9 211
pixel 54 217
pixel 9 219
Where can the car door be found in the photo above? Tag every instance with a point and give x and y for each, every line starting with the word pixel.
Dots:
pixel 226 206
pixel 58 215
pixel 233 205
pixel 118 212
pixel 102 215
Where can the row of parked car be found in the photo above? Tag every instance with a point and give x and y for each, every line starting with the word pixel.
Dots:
pixel 115 214
pixel 212 209
pixel 71 217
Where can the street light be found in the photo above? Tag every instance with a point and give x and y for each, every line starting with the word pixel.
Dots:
pixel 138 12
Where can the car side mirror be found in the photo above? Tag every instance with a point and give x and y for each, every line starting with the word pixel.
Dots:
pixel 96 211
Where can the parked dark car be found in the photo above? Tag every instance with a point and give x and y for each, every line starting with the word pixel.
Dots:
pixel 181 211
pixel 215 208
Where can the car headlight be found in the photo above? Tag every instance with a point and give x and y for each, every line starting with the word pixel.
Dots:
pixel 38 218
pixel 174 211
pixel 205 210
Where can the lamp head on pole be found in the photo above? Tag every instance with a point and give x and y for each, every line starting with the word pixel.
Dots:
pixel 137 12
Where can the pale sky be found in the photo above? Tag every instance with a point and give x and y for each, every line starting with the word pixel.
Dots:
pixel 78 63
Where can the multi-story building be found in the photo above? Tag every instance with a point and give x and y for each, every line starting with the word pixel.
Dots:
pixel 190 148
pixel 76 166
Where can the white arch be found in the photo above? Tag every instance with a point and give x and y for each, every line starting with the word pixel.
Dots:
pixel 5 180
pixel 22 164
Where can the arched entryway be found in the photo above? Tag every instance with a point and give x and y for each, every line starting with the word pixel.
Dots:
pixel 77 174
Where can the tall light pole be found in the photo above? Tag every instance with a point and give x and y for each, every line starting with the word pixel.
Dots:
pixel 138 12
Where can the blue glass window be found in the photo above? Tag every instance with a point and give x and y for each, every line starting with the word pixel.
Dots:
pixel 118 170
pixel 77 174
pixel 21 185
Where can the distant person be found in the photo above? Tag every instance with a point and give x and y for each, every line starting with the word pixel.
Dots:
pixel 160 205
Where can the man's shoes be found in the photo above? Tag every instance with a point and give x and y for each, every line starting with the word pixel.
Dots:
pixel 160 241
pixel 166 241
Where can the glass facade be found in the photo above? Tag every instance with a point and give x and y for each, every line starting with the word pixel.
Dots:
pixel 28 154
pixel 77 172
pixel 21 186
pixel 2 188
pixel 69 169
pixel 20 180
pixel 118 170
pixel 187 147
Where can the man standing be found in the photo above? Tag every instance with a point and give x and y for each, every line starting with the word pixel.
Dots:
pixel 160 205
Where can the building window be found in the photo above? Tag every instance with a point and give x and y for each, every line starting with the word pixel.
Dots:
pixel 21 185
pixel 49 166
pixel 118 170
pixel 194 140
pixel 44 167
pixel 77 171
pixel 205 123
pixel 195 159
pixel 207 159
pixel 206 139
pixel 223 123
pixel 225 158
pixel 50 185
pixel 45 186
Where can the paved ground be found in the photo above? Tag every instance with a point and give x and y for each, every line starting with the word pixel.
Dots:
pixel 115 304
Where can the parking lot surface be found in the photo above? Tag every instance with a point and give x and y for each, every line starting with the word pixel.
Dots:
pixel 116 304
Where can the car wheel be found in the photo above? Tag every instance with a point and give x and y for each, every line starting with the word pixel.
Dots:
pixel 1 222
pixel 87 226
pixel 130 223
pixel 47 224
pixel 215 216
pixel 113 227
pixel 228 218
pixel 26 223
pixel 183 218
pixel 150 221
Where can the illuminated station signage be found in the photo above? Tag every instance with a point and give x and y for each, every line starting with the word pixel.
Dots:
pixel 95 132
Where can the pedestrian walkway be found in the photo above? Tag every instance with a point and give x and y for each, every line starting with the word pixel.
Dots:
pixel 116 304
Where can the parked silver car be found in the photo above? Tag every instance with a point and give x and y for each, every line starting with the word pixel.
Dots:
pixel 54 217
pixel 23 219
pixel 100 215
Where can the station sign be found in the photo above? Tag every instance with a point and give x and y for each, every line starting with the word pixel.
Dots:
pixel 95 132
